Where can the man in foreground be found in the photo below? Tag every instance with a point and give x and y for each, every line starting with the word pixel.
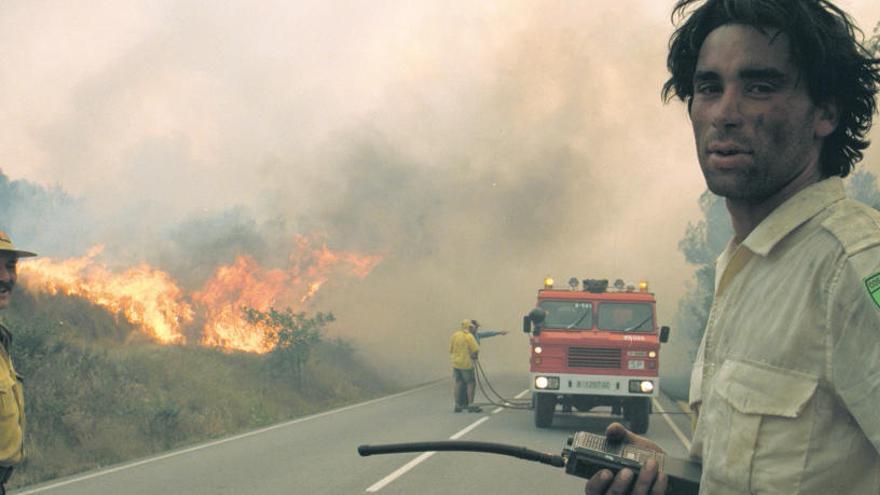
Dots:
pixel 786 383
pixel 463 349
pixel 11 399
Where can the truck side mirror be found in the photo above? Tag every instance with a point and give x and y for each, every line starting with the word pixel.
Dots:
pixel 535 318
pixel 527 324
pixel 664 334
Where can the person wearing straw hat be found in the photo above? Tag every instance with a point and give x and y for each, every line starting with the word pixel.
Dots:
pixel 11 398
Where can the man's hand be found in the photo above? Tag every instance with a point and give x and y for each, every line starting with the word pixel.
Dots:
pixel 649 480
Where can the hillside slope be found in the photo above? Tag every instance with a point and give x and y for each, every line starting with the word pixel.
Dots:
pixel 97 392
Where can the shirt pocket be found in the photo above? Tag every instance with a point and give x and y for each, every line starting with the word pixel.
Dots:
pixel 759 414
pixel 8 402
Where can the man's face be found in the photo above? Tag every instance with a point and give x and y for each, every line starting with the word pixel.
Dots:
pixel 8 277
pixel 757 131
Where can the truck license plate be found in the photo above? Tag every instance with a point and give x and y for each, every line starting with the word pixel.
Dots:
pixel 637 364
pixel 593 385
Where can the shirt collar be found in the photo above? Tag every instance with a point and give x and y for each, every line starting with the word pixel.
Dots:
pixel 793 213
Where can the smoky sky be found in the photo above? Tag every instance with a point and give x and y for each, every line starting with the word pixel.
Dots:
pixel 478 146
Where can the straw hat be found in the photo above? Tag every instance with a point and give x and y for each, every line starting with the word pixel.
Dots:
pixel 6 246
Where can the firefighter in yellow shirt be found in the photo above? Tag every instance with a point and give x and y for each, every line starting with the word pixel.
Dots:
pixel 463 349
pixel 11 399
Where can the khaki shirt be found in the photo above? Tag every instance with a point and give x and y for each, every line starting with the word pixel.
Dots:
pixel 11 407
pixel 787 378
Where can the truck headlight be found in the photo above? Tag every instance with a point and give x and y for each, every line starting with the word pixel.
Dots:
pixel 652 354
pixel 641 386
pixel 538 349
pixel 547 382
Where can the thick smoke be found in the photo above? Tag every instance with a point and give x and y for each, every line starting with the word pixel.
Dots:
pixel 478 147
pixel 42 218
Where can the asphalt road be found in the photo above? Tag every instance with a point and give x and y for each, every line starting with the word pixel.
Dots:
pixel 317 454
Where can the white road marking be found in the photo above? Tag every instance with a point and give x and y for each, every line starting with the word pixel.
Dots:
pixel 468 429
pixel 521 394
pixel 678 433
pixel 418 460
pixel 216 442
pixel 400 472
pixel 497 410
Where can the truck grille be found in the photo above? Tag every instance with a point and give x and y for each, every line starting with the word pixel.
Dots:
pixel 586 357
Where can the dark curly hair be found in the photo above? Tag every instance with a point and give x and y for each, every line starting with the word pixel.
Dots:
pixel 837 67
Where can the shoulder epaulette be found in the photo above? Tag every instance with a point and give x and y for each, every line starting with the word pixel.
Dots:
pixel 856 225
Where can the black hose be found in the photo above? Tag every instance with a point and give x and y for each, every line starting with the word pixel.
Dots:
pixel 506 403
pixel 481 373
pixel 465 446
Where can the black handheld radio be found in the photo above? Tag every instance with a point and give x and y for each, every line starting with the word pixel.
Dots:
pixel 587 453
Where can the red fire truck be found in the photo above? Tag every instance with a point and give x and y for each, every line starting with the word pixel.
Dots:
pixel 595 346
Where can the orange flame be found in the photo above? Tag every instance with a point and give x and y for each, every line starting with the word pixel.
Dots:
pixel 150 298
pixel 147 297
pixel 234 287
pixel 246 284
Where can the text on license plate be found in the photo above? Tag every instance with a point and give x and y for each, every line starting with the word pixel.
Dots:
pixel 592 385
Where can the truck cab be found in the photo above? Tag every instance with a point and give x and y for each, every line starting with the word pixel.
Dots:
pixel 594 345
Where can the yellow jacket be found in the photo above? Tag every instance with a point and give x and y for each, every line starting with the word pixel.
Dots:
pixel 461 346
pixel 11 407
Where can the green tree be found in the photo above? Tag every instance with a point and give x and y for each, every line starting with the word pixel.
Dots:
pixel 295 336
pixel 702 243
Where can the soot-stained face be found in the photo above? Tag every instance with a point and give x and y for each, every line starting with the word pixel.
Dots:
pixel 757 131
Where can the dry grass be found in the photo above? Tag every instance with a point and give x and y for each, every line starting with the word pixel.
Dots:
pixel 96 396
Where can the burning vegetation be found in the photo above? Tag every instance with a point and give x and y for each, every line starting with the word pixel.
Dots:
pixel 152 301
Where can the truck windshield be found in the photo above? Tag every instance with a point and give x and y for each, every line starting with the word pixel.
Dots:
pixel 572 315
pixel 626 317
